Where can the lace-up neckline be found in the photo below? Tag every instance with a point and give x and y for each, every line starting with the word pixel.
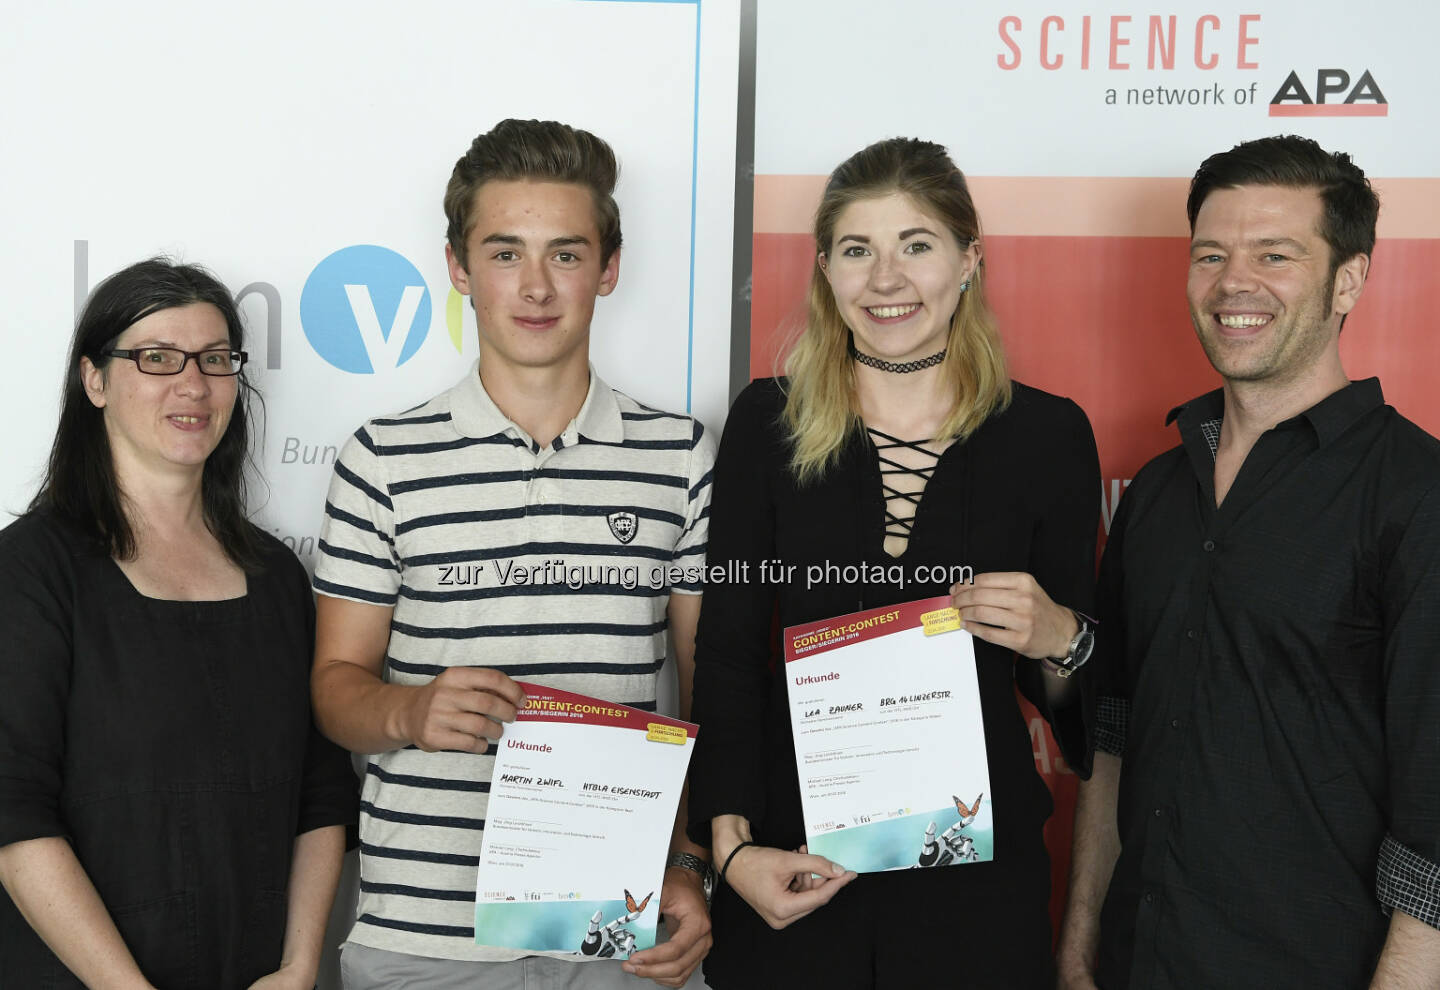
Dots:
pixel 903 485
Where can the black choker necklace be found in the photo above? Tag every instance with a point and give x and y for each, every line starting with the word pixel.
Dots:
pixel 902 368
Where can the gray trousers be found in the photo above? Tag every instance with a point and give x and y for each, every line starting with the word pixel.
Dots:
pixel 364 968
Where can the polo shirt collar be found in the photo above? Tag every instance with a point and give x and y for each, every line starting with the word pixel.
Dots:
pixel 599 416
pixel 1330 417
pixel 475 414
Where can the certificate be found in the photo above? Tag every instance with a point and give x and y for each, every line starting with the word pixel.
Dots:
pixel 582 805
pixel 889 741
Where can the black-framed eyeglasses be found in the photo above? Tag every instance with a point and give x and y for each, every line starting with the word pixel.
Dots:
pixel 220 362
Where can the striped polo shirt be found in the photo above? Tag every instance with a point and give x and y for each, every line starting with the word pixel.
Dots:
pixel 551 564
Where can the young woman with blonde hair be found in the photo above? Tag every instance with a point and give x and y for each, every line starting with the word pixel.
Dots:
pixel 898 444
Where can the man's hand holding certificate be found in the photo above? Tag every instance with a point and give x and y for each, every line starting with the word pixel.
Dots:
pixel 885 710
pixel 582 803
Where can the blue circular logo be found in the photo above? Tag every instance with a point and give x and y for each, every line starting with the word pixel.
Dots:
pixel 365 309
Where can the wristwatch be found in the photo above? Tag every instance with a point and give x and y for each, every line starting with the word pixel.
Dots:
pixel 1081 646
pixel 693 863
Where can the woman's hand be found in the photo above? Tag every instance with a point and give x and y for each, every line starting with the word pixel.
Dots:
pixel 1010 609
pixel 285 978
pixel 55 895
pixel 781 886
pixel 807 880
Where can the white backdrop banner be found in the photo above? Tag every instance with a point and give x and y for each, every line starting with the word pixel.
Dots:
pixel 1047 88
pixel 299 148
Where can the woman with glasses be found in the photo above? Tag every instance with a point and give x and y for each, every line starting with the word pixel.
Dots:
pixel 169 817
pixel 897 446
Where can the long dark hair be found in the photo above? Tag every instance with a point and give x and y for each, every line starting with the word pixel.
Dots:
pixel 80 485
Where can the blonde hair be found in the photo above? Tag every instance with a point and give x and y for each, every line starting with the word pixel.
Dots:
pixel 822 408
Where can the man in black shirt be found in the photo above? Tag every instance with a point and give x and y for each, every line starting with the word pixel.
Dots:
pixel 1270 633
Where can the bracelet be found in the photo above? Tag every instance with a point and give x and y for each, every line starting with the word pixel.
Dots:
pixel 688 861
pixel 698 866
pixel 725 869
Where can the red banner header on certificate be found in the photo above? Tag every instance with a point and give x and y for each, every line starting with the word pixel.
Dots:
pixel 934 615
pixel 553 705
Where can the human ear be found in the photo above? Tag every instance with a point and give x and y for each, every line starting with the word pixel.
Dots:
pixel 1350 283
pixel 610 274
pixel 459 277
pixel 975 253
pixel 94 381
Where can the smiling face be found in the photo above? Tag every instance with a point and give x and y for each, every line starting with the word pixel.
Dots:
pixel 161 423
pixel 896 274
pixel 533 272
pixel 1261 294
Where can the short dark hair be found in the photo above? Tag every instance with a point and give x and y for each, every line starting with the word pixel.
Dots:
pixel 80 486
pixel 1350 204
pixel 541 151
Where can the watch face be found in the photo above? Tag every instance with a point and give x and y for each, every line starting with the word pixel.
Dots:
pixel 1084 646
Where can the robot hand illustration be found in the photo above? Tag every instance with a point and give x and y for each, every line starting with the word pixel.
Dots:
pixel 614 939
pixel 932 853
pixel 948 848
pixel 962 847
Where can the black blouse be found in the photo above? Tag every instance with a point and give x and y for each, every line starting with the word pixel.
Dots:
pixel 1021 494
pixel 171 743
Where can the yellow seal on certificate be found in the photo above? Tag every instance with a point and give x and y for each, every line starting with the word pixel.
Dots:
pixel 942 620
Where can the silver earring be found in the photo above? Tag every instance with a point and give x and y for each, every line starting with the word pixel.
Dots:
pixel 965 285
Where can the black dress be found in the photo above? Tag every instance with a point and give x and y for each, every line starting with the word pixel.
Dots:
pixel 171 743
pixel 1021 494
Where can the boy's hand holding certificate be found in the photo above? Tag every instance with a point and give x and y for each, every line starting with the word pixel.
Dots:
pixel 582 803
pixel 889 741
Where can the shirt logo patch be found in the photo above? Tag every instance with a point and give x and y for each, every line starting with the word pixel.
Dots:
pixel 623 525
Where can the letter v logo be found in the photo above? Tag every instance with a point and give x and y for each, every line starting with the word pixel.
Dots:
pixel 365 309
pixel 384 345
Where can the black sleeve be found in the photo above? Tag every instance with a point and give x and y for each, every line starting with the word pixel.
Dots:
pixel 1111 674
pixel 329 792
pixel 1062 560
pixel 1408 874
pixel 37 601
pixel 732 646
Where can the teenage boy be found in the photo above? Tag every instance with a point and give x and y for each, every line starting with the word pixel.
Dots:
pixel 531 463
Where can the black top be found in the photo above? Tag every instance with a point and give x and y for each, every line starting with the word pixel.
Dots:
pixel 1021 494
pixel 171 743
pixel 1281 659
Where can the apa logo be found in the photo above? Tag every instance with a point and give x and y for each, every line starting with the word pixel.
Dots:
pixel 365 309
pixel 1364 99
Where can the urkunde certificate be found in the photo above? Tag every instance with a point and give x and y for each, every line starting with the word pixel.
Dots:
pixel 885 710
pixel 582 804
